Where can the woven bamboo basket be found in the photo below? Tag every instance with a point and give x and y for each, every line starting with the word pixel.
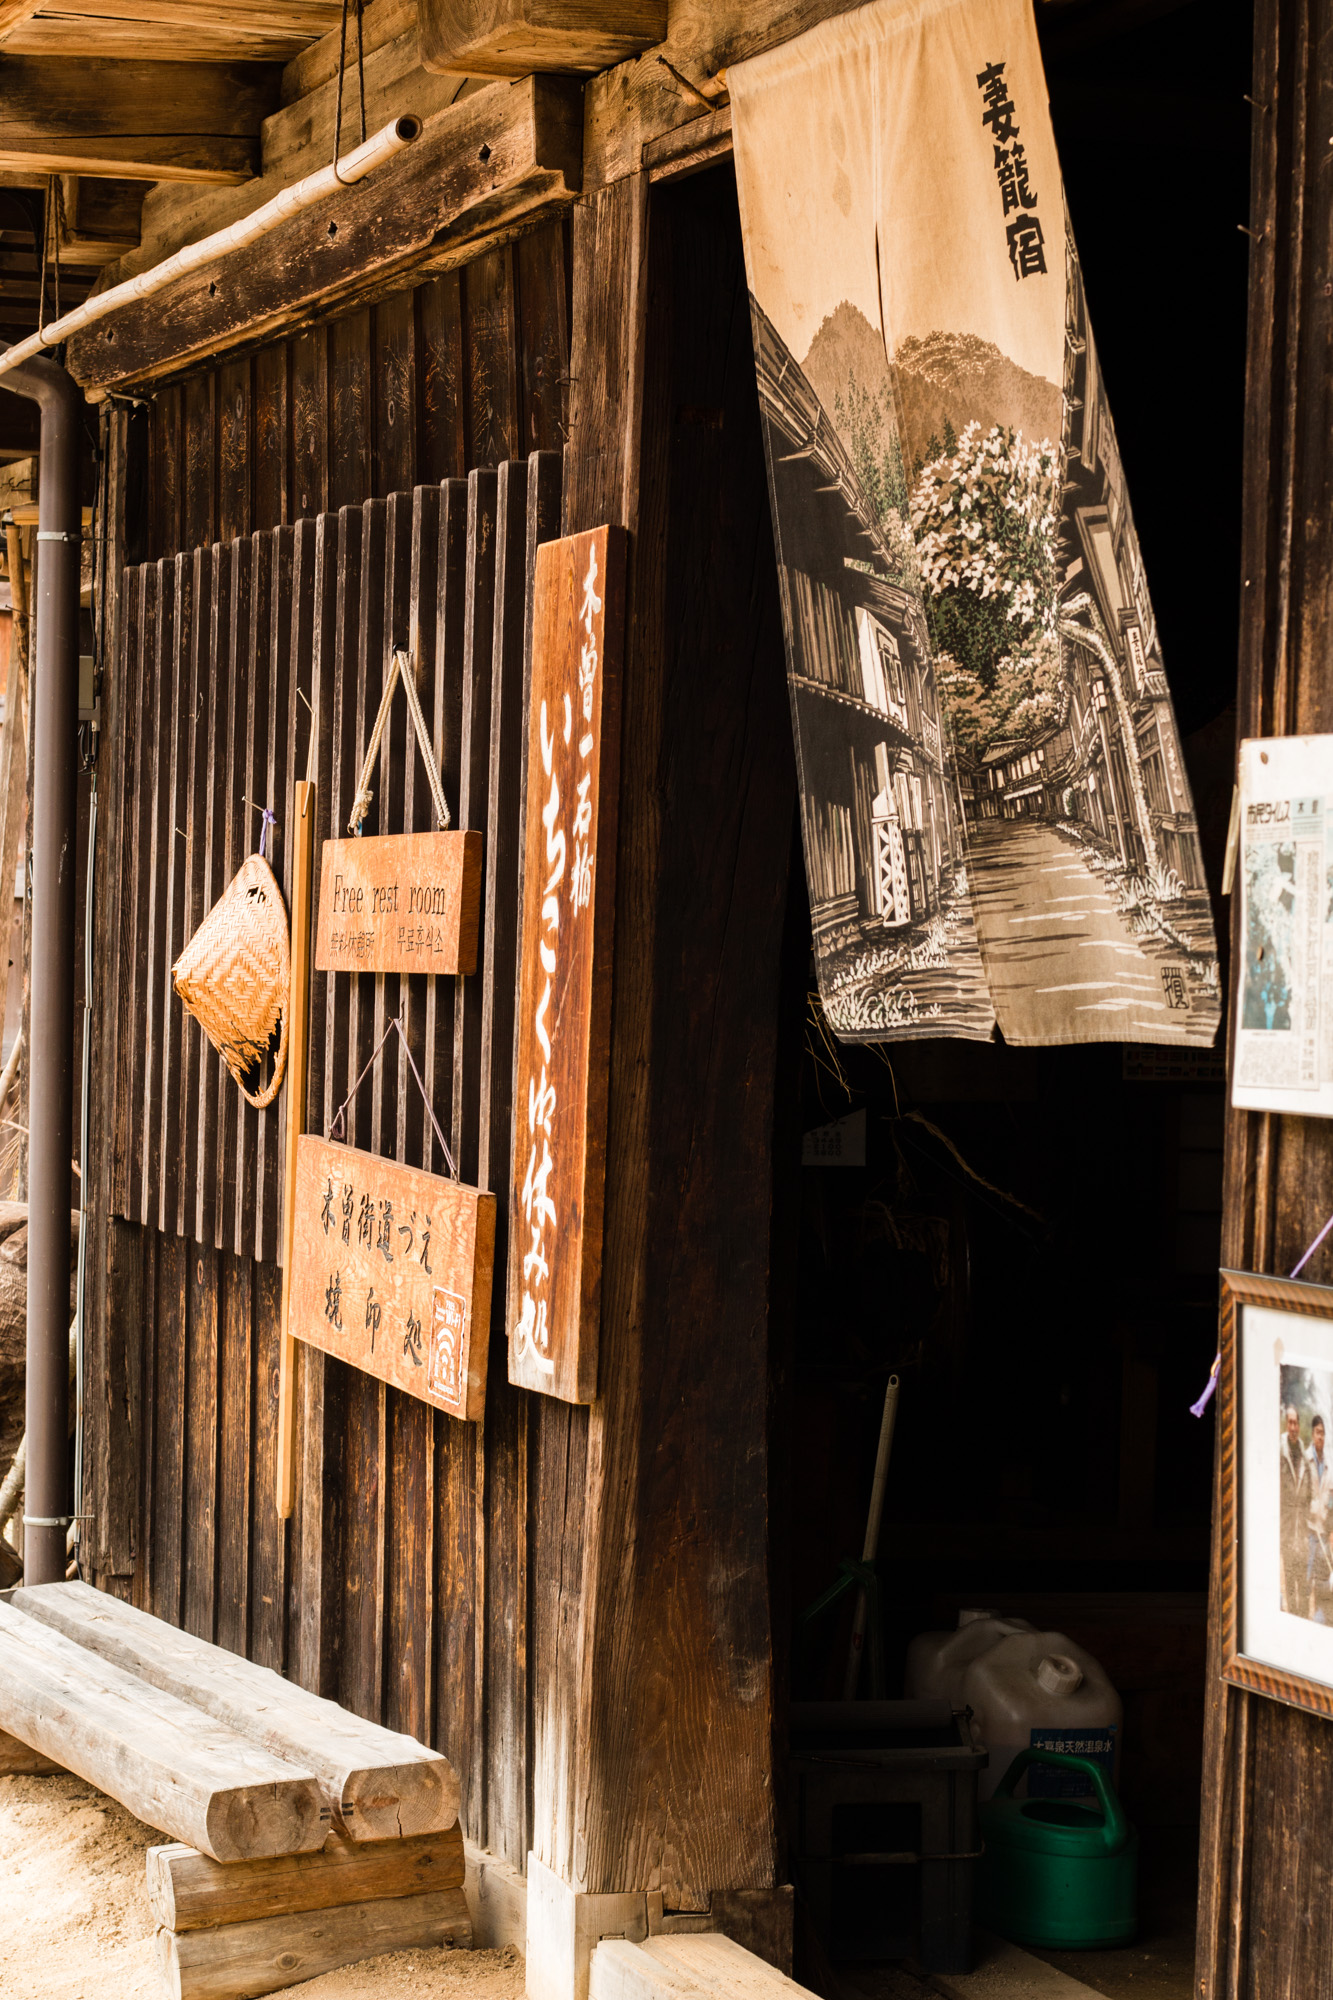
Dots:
pixel 234 976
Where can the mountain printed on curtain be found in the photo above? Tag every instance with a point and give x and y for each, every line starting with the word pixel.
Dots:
pixel 996 817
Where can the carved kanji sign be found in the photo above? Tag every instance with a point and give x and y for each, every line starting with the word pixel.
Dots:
pixel 392 1272
pixel 564 979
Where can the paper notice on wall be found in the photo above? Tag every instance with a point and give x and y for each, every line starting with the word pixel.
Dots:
pixel 1284 1010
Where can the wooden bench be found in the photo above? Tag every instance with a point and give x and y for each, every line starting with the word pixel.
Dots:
pixel 304 1838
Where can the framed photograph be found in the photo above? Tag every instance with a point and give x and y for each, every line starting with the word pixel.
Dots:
pixel 1276 1412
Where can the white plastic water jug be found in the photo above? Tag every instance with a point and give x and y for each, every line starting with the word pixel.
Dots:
pixel 1026 1689
pixel 937 1661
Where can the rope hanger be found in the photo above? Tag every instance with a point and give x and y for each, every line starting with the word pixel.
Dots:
pixel 401 668
pixel 338 1128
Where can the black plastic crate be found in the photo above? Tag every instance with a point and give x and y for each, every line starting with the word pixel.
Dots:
pixel 886 1831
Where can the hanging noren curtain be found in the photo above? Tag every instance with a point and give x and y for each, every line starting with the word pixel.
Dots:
pixel 996 816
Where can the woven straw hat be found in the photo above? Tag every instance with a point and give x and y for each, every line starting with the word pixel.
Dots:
pixel 234 976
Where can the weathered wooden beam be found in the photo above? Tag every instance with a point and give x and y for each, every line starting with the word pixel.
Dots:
pixel 297 135
pixel 187 30
pixel 383 1786
pixel 188 1892
pixel 18 1761
pixel 16 289
pixel 154 121
pixel 14 13
pixel 382 21
pixel 164 1760
pixel 97 38
pixel 18 487
pixel 516 37
pixel 489 164
pixel 690 148
pixel 269 1955
pixel 101 218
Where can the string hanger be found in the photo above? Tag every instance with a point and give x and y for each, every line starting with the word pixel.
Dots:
pixel 361 85
pixel 269 819
pixel 338 1129
pixel 400 669
pixel 1210 1387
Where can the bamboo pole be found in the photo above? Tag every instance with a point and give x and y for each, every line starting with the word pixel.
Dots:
pixel 306 193
pixel 298 1054
pixel 871 1545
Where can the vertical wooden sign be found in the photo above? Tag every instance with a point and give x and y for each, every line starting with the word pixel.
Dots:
pixel 564 978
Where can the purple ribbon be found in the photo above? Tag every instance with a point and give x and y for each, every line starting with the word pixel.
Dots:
pixel 1197 1409
pixel 270 819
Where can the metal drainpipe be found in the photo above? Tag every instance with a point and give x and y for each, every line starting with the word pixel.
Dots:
pixel 53 846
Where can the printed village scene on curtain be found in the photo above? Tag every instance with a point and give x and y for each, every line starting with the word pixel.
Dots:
pixel 996 817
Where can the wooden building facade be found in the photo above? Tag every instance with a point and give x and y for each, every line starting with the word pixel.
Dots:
pixel 389 475
pixel 585 1607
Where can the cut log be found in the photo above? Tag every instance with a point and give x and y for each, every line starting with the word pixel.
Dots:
pixel 172 1767
pixel 381 1785
pixel 516 37
pixel 275 1952
pixel 188 1892
pixel 18 1761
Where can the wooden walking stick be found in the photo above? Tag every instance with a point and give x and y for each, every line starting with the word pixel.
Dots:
pixel 297 1059
pixel 856 1645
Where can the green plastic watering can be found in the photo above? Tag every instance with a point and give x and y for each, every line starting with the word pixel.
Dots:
pixel 1059 1873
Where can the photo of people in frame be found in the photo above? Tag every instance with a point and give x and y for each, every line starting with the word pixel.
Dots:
pixel 1305 1473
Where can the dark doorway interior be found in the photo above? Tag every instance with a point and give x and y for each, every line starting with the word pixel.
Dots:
pixel 1033 1241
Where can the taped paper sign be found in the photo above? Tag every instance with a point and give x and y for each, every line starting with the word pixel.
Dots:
pixel 1284 1008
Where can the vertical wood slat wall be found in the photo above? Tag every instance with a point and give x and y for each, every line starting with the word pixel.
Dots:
pixel 233 658
pixel 399 1586
pixel 1266 1845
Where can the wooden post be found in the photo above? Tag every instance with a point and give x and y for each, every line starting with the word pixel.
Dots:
pixel 666 1477
pixel 297 1057
pixel 1267 1819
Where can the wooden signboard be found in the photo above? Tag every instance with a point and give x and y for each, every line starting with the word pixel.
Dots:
pixel 564 975
pixel 391 1271
pixel 400 902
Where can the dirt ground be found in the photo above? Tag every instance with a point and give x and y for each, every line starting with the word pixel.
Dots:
pixel 75 1921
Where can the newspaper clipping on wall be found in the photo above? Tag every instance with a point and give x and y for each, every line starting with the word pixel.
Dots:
pixel 1284 1012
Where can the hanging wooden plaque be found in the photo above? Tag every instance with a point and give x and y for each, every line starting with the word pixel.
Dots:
pixel 564 976
pixel 399 902
pixel 391 1271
